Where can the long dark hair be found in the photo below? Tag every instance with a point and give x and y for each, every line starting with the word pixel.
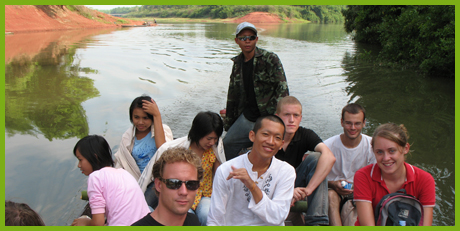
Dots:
pixel 137 103
pixel 203 124
pixel 96 150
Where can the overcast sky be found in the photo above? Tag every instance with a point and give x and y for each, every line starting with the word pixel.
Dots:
pixel 107 7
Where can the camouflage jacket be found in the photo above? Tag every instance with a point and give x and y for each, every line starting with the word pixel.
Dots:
pixel 269 85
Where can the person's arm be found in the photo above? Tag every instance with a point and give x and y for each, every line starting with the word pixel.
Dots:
pixel 242 175
pixel 219 198
pixel 281 88
pixel 324 166
pixel 365 213
pixel 152 109
pixel 97 201
pixel 232 98
pixel 427 216
pixel 97 220
pixel 274 209
pixel 299 194
pixel 214 167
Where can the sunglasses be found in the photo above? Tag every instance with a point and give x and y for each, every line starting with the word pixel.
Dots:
pixel 176 184
pixel 244 38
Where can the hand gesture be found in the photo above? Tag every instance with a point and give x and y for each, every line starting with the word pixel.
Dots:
pixel 151 107
pixel 241 174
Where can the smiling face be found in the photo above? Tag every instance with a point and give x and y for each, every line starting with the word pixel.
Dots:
pixel 353 124
pixel 176 201
pixel 83 164
pixel 268 140
pixel 208 141
pixel 141 121
pixel 291 114
pixel 247 46
pixel 389 155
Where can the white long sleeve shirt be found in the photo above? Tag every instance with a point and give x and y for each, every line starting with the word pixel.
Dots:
pixel 233 204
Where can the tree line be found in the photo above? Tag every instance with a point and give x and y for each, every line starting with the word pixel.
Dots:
pixel 313 13
pixel 422 37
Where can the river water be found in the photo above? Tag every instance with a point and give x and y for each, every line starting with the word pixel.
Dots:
pixel 61 86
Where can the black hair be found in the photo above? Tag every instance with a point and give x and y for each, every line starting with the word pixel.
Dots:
pixel 20 214
pixel 96 150
pixel 137 103
pixel 273 118
pixel 203 124
pixel 353 108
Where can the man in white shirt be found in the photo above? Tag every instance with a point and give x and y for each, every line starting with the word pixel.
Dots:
pixel 254 188
pixel 352 151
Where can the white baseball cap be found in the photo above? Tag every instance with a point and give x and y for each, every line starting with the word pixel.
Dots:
pixel 245 25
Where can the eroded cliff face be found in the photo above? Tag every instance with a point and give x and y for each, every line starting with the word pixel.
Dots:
pixel 32 18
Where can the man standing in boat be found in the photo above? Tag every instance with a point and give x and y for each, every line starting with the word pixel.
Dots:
pixel 257 83
pixel 254 188
pixel 312 170
pixel 353 151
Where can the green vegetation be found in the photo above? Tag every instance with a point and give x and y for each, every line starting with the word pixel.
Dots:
pixel 82 10
pixel 121 21
pixel 314 13
pixel 410 36
pixel 56 113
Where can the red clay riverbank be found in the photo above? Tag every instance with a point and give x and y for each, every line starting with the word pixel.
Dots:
pixel 259 17
pixel 30 18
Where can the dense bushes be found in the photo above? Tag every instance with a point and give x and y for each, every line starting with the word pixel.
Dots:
pixel 420 36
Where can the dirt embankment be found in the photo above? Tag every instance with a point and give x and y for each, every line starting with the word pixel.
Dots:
pixel 259 17
pixel 30 18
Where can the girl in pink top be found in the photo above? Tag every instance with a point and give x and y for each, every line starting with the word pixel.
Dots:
pixel 113 193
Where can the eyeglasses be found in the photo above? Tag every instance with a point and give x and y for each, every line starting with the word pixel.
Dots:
pixel 176 184
pixel 244 38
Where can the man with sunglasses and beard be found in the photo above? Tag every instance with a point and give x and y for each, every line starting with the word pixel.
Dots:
pixel 177 174
pixel 257 83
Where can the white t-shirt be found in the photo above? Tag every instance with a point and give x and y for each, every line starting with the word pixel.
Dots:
pixel 232 202
pixel 349 160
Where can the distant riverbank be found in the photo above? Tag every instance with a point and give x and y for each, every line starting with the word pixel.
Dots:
pixel 31 18
pixel 254 17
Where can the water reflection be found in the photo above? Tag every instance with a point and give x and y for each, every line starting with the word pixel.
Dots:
pixel 425 106
pixel 79 83
pixel 44 91
pixel 45 86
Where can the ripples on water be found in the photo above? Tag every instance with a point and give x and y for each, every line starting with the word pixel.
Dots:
pixel 186 69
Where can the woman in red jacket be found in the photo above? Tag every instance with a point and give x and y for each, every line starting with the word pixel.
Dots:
pixel 390 174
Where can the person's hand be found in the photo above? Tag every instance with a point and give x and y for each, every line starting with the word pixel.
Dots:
pixel 223 113
pixel 337 186
pixel 241 174
pixel 299 194
pixel 82 221
pixel 151 107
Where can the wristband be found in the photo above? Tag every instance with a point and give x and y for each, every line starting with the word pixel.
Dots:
pixel 85 216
